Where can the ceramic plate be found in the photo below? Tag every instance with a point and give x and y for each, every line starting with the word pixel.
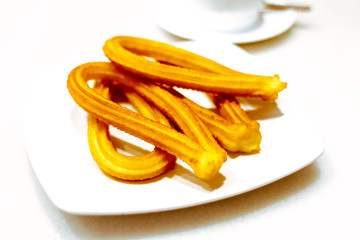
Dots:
pixel 55 132
pixel 173 19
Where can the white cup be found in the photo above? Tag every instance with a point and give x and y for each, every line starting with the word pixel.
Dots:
pixel 227 15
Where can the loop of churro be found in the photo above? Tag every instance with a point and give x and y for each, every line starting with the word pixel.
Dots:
pixel 196 146
pixel 129 52
pixel 119 165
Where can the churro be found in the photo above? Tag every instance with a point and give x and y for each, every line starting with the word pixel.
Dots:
pixel 147 71
pixel 128 53
pixel 196 145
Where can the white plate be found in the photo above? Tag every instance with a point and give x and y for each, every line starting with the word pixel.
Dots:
pixel 55 132
pixel 172 19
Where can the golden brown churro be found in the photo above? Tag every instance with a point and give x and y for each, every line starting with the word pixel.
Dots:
pixel 196 146
pixel 147 82
pixel 119 165
pixel 129 52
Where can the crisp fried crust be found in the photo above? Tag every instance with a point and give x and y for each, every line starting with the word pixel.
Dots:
pixel 129 52
pixel 196 146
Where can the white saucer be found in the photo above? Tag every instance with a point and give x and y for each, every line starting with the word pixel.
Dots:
pixel 170 17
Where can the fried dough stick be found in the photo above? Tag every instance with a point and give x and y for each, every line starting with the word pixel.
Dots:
pixel 129 52
pixel 239 133
pixel 196 146
pixel 119 165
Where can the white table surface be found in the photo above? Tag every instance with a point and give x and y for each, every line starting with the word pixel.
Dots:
pixel 318 57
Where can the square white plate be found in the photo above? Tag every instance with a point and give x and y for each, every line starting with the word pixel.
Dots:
pixel 55 133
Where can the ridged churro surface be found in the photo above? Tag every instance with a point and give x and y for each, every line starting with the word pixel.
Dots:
pixel 129 52
pixel 146 71
pixel 196 146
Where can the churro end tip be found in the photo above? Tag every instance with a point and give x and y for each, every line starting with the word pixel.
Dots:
pixel 209 164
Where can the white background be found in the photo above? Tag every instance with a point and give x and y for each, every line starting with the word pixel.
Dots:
pixel 318 57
